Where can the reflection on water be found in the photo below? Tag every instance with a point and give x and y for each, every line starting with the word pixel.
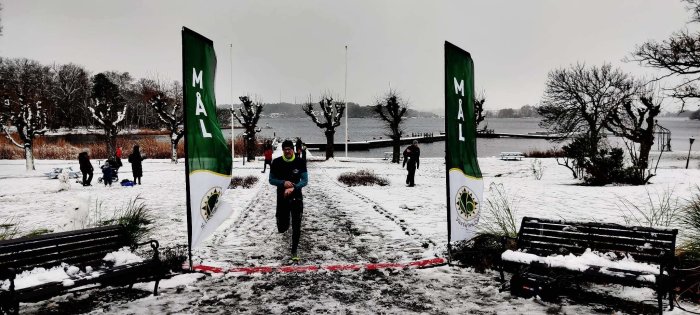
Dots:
pixel 362 129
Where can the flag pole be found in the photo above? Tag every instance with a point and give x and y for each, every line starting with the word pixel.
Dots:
pixel 187 162
pixel 233 135
pixel 347 105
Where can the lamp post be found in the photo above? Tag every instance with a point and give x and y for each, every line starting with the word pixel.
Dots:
pixel 687 161
pixel 245 149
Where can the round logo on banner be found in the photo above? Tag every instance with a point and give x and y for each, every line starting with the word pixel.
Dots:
pixel 209 202
pixel 466 203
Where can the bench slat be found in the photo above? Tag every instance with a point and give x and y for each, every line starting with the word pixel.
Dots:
pixel 529 220
pixel 548 248
pixel 79 254
pixel 60 235
pixel 663 235
pixel 29 243
pixel 643 243
pixel 59 250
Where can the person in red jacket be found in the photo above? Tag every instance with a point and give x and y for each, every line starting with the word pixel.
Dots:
pixel 268 156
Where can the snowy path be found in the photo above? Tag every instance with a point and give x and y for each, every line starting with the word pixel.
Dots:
pixel 331 233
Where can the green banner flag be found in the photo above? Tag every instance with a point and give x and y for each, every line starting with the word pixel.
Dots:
pixel 208 164
pixel 465 186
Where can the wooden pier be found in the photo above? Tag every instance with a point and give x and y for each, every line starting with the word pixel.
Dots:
pixel 382 143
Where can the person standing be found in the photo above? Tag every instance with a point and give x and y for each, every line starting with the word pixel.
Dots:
pixel 268 156
pixel 108 171
pixel 300 149
pixel 411 156
pixel 288 173
pixel 85 168
pixel 135 158
pixel 118 159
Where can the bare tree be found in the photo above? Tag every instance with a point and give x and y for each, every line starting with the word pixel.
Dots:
pixel 167 103
pixel 679 56
pixel 71 91
pixel 332 112
pixel 108 108
pixel 25 86
pixel 248 116
pixel 391 110
pixel 635 120
pixel 579 101
pixel 479 115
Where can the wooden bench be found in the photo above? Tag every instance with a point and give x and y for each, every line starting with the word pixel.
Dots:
pixel 512 156
pixel 80 248
pixel 649 247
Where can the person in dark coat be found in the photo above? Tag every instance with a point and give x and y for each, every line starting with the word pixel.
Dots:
pixel 288 173
pixel 108 171
pixel 85 167
pixel 411 156
pixel 135 159
pixel 300 149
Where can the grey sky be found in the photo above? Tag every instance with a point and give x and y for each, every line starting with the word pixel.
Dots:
pixel 296 48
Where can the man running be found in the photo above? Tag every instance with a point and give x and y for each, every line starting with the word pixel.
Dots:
pixel 288 173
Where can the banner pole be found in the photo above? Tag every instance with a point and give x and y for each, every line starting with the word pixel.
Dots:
pixel 187 163
pixel 447 165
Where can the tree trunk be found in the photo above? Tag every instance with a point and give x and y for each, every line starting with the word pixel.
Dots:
pixel 29 156
pixel 330 144
pixel 111 145
pixel 250 147
pixel 396 157
pixel 644 148
pixel 173 148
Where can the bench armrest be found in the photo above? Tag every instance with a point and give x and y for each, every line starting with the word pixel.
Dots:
pixel 154 245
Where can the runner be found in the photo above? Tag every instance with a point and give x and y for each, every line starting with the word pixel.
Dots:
pixel 288 173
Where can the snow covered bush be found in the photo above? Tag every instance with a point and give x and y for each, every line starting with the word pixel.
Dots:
pixel 537 169
pixel 174 257
pixel 362 178
pixel 245 182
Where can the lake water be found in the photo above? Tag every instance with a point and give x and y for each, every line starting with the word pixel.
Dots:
pixel 361 129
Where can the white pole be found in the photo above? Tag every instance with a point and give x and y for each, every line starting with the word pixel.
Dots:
pixel 233 135
pixel 347 105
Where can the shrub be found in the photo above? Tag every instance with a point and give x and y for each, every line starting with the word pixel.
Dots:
pixel 537 169
pixel 8 229
pixel 481 252
pixel 499 215
pixel 135 217
pixel 174 257
pixel 690 219
pixel 60 148
pixel 549 153
pixel 661 211
pixel 362 178
pixel 39 231
pixel 245 182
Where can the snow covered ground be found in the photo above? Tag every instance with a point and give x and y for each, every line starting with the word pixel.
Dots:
pixel 341 225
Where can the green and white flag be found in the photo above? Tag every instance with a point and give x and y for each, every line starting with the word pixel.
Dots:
pixel 465 186
pixel 208 157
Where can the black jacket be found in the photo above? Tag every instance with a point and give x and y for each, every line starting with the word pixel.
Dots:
pixel 85 165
